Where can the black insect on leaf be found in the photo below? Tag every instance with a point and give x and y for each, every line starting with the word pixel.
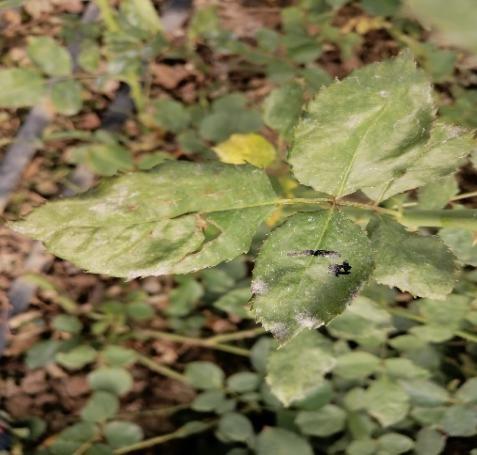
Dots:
pixel 324 253
pixel 340 269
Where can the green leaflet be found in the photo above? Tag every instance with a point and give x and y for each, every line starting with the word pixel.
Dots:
pixel 421 265
pixel 393 408
pixel 295 291
pixel 441 155
pixel 296 370
pixel 453 22
pixel 373 131
pixel 20 87
pixel 50 56
pixel 282 108
pixel 180 218
pixel 436 195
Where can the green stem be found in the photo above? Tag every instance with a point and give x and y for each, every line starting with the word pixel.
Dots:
pixel 133 80
pixel 251 333
pixel 182 432
pixel 401 312
pixel 465 219
pixel 210 343
pixel 154 412
pixel 108 15
pixel 464 196
pixel 161 369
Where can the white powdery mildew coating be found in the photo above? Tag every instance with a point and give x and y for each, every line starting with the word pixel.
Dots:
pixel 113 202
pixel 259 287
pixel 308 321
pixel 147 272
pixel 279 330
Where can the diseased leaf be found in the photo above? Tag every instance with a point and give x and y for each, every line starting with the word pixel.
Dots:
pixel 179 218
pixel 298 368
pixel 20 87
pixel 51 57
pixel 453 22
pixel 296 291
pixel 421 265
pixel 246 148
pixel 372 131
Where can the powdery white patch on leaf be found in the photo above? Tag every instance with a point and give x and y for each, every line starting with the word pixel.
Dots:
pixel 306 291
pixel 259 287
pixel 155 223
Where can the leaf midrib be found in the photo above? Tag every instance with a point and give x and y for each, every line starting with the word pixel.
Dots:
pixel 355 154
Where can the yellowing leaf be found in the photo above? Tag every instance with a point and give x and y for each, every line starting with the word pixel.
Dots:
pixel 246 148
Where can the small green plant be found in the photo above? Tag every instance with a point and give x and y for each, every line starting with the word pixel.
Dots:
pixel 374 132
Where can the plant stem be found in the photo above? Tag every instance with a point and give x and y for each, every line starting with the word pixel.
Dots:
pixel 466 219
pixel 401 312
pixel 154 412
pixel 211 343
pixel 132 79
pixel 108 15
pixel 251 333
pixel 161 369
pixel 464 196
pixel 182 432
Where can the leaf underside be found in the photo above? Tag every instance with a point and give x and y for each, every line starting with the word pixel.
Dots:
pixel 179 218
pixel 295 291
